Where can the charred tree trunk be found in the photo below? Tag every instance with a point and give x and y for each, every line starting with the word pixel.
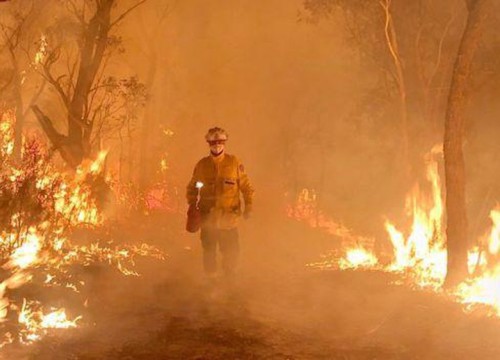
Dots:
pixel 92 52
pixel 456 230
pixel 75 146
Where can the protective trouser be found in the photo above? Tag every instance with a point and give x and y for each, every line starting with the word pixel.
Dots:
pixel 227 239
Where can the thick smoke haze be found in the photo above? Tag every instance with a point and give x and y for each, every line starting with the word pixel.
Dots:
pixel 306 103
pixel 308 92
pixel 284 89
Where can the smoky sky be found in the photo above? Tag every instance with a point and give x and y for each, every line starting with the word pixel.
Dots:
pixel 290 93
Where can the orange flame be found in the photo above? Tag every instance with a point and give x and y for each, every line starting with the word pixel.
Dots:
pixel 422 252
pixel 46 244
pixel 358 258
pixel 485 288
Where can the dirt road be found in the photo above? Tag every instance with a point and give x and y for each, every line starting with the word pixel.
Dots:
pixel 275 309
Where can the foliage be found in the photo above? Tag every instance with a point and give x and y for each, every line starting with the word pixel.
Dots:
pixel 424 35
pixel 119 105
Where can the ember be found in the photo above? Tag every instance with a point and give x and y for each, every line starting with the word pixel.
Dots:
pixel 421 255
pixel 36 236
pixel 322 174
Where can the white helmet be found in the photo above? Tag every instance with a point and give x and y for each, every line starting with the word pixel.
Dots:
pixel 216 134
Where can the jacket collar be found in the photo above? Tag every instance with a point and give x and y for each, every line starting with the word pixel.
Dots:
pixel 218 159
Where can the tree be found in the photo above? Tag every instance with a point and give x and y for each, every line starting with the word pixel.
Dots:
pixel 456 230
pixel 150 128
pixel 19 31
pixel 405 44
pixel 80 86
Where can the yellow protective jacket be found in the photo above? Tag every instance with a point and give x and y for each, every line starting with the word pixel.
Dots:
pixel 223 179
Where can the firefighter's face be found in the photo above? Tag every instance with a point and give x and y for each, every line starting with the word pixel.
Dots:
pixel 217 146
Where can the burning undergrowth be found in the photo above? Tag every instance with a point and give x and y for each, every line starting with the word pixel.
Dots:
pixel 42 211
pixel 418 255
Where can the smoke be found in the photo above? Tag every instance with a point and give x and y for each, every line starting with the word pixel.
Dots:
pixel 303 109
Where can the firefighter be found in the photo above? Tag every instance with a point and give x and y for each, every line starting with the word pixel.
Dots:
pixel 218 180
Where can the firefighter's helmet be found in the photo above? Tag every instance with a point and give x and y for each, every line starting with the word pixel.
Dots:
pixel 216 134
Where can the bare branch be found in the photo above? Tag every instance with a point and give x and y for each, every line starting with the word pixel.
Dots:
pixel 80 15
pixel 440 49
pixel 35 97
pixel 51 59
pixel 71 68
pixel 99 85
pixel 123 15
pixel 389 34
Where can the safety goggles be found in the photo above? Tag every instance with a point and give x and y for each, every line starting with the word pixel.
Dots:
pixel 216 142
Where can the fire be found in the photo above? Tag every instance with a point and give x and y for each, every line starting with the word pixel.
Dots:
pixel 484 288
pixel 58 320
pixel 42 51
pixel 305 209
pixel 494 240
pixel 44 206
pixel 7 134
pixel 358 258
pixel 36 323
pixel 422 252
pixel 27 254
pixel 357 254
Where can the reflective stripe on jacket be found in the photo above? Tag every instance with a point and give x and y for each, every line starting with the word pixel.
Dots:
pixel 223 179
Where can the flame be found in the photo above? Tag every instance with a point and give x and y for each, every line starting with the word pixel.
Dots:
pixel 358 258
pixel 7 121
pixel 164 164
pixel 38 235
pixel 27 254
pixel 484 288
pixel 36 323
pixel 494 240
pixel 305 209
pixel 422 252
pixel 42 51
pixel 357 255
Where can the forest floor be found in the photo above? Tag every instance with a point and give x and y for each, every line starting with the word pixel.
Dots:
pixel 276 308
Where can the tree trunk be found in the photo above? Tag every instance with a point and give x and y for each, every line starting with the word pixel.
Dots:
pixel 456 230
pixel 92 52
pixel 75 146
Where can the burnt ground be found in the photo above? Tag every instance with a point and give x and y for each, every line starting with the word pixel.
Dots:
pixel 276 308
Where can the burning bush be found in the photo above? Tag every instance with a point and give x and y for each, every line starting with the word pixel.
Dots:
pixel 419 254
pixel 40 209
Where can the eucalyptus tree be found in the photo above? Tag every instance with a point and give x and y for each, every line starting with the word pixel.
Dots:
pixel 456 229
pixel 81 43
pixel 23 47
pixel 408 47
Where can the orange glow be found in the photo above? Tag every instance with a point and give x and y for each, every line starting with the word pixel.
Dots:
pixel 68 202
pixel 484 288
pixel 422 252
pixel 358 258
